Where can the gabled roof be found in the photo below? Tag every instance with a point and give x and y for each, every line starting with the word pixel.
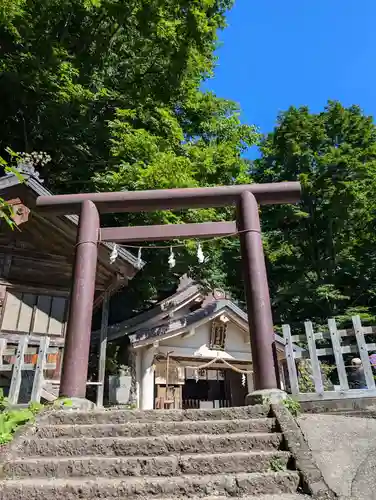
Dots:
pixel 11 187
pixel 176 327
pixel 185 294
pixel 159 324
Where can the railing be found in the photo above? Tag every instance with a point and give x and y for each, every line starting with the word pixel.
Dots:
pixel 335 343
pixel 195 403
pixel 20 357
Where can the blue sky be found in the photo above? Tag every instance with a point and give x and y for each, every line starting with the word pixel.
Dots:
pixel 278 53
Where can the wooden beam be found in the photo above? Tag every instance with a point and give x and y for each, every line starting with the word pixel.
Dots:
pixel 290 359
pixel 168 232
pixel 336 343
pixel 103 349
pixel 170 199
pixel 39 369
pixel 15 384
pixel 113 286
pixel 363 352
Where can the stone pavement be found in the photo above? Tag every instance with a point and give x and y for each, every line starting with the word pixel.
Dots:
pixel 344 448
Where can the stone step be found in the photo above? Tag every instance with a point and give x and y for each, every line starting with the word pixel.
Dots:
pixel 284 496
pixel 352 413
pixel 170 465
pixel 123 416
pixel 144 446
pixel 293 496
pixel 287 496
pixel 180 486
pixel 135 429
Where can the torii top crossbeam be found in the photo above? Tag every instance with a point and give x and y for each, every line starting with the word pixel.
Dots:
pixel 170 199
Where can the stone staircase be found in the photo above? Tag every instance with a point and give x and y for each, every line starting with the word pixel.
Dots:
pixel 162 454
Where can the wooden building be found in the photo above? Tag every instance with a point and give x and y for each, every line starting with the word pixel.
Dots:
pixel 36 259
pixel 192 350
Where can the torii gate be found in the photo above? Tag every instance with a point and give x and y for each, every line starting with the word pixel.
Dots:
pixel 90 233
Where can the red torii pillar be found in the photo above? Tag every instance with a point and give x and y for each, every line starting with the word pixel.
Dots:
pixel 89 205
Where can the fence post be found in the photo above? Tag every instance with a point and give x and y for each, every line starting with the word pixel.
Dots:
pixel 363 352
pixel 315 363
pixel 103 348
pixel 337 351
pixel 39 367
pixel 291 367
pixel 15 384
pixel 3 345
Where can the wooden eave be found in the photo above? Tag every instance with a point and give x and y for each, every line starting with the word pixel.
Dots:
pixel 49 241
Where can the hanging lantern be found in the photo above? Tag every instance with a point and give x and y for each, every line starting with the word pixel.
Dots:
pixel 243 380
pixel 196 375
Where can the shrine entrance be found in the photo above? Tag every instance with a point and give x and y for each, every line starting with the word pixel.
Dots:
pixel 90 205
pixel 216 388
pixel 211 388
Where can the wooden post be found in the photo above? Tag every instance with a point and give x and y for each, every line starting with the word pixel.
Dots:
pixel 77 338
pixel 337 351
pixel 363 352
pixel 17 371
pixel 259 309
pixel 315 363
pixel 3 344
pixel 291 367
pixel 103 348
pixel 39 368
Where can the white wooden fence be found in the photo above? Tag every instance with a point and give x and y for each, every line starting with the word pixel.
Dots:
pixel 12 361
pixel 335 344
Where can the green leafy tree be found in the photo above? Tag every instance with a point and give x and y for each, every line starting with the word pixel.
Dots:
pixel 67 66
pixel 201 145
pixel 110 89
pixel 322 252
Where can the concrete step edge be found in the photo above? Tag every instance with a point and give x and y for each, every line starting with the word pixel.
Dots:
pixel 165 466
pixel 149 446
pixel 185 456
pixel 156 415
pixel 185 486
pixel 281 496
pixel 53 482
pixel 160 423
pixel 169 437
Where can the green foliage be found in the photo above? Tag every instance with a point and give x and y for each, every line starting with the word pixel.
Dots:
pixel 68 65
pixel 329 267
pixel 276 465
pixel 6 210
pixel 292 405
pixel 35 407
pixel 306 381
pixel 62 402
pixel 12 419
pixel 321 253
pixel 110 89
pixel 3 401
pixel 131 406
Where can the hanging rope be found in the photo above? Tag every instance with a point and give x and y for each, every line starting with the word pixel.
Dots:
pixel 218 360
pixel 182 245
pixel 201 367
pixel 244 372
